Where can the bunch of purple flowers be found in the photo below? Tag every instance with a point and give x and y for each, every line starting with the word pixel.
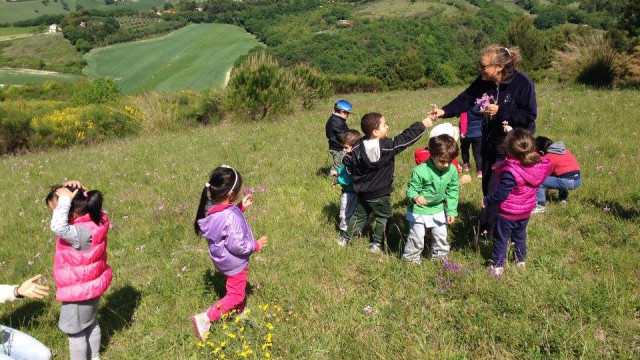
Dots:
pixel 484 101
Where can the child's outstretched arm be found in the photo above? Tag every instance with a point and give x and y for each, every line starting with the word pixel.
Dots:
pixel 410 135
pixel 76 236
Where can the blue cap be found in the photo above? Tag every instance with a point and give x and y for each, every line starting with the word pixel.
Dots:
pixel 343 105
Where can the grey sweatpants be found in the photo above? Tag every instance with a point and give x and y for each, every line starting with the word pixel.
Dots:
pixel 417 231
pixel 85 344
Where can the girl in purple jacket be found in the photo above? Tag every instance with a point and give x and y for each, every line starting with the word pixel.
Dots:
pixel 520 175
pixel 230 240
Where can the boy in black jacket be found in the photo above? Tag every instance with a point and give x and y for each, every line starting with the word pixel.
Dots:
pixel 334 129
pixel 371 165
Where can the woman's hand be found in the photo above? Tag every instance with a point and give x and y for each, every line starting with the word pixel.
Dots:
pixel 506 127
pixel 32 290
pixel 436 113
pixel 482 204
pixel 491 109
pixel 65 192
pixel 247 201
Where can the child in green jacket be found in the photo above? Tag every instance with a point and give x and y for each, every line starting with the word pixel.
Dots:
pixel 433 200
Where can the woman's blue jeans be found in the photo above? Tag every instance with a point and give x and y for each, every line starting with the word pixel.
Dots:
pixel 16 345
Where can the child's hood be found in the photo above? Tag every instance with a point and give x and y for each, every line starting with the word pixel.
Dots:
pixel 372 149
pixel 557 147
pixel 533 175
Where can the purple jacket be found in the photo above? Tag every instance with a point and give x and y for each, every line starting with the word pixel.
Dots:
pixel 522 199
pixel 230 239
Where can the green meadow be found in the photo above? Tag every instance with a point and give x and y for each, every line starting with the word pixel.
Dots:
pixel 196 57
pixel 578 297
pixel 26 76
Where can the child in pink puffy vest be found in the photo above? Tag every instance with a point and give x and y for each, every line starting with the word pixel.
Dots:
pixel 80 267
pixel 520 175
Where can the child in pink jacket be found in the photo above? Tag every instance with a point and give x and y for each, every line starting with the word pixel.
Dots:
pixel 520 175
pixel 80 268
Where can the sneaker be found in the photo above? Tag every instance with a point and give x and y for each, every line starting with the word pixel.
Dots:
pixel 496 271
pixel 539 209
pixel 201 325
pixel 375 248
pixel 343 241
pixel 465 167
pixel 479 175
pixel 521 265
pixel 563 202
pixel 413 262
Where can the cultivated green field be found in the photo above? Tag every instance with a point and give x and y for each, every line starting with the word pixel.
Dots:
pixel 578 297
pixel 195 57
pixel 15 11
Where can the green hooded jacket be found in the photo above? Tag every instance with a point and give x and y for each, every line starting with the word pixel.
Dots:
pixel 439 187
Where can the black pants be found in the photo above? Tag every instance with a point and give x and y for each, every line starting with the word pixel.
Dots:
pixel 475 143
pixel 490 182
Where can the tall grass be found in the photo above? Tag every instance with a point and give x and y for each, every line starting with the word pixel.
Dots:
pixel 577 299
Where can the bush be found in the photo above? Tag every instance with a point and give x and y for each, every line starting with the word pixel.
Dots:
pixel 15 122
pixel 444 74
pixel 95 92
pixel 345 84
pixel 310 85
pixel 81 125
pixel 259 88
pixel 161 112
pixel 590 60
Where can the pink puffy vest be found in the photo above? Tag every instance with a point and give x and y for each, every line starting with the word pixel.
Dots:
pixel 522 198
pixel 83 275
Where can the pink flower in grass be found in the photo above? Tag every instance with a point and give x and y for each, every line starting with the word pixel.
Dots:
pixel 368 309
pixel 606 209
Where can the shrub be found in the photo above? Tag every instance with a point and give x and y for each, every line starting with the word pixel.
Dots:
pixel 160 112
pixel 345 84
pixel 589 60
pixel 444 74
pixel 259 88
pixel 81 125
pixel 310 85
pixel 95 92
pixel 15 122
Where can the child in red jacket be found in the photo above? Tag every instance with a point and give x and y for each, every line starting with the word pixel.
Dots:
pixel 565 172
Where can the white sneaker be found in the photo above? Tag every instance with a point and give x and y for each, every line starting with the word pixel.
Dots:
pixel 496 271
pixel 201 325
pixel 375 249
pixel 343 242
pixel 539 209
pixel 521 265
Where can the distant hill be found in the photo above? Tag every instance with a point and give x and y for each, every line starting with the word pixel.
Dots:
pixel 196 57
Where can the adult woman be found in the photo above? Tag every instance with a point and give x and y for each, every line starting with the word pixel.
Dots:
pixel 14 344
pixel 514 105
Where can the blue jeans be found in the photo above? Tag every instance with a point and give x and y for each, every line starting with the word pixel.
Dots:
pixel 16 345
pixel 563 185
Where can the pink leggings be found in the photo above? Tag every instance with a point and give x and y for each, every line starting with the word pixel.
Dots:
pixel 234 299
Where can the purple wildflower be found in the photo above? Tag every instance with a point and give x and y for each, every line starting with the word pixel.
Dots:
pixel 606 209
pixel 600 168
pixel 368 309
pixel 484 102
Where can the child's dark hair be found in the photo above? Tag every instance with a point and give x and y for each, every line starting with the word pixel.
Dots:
pixel 370 122
pixel 443 145
pixel 543 143
pixel 350 137
pixel 519 143
pixel 223 181
pixel 85 202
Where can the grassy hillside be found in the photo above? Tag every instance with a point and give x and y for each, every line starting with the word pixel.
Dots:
pixel 195 57
pixel 15 11
pixel 577 298
pixel 51 52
